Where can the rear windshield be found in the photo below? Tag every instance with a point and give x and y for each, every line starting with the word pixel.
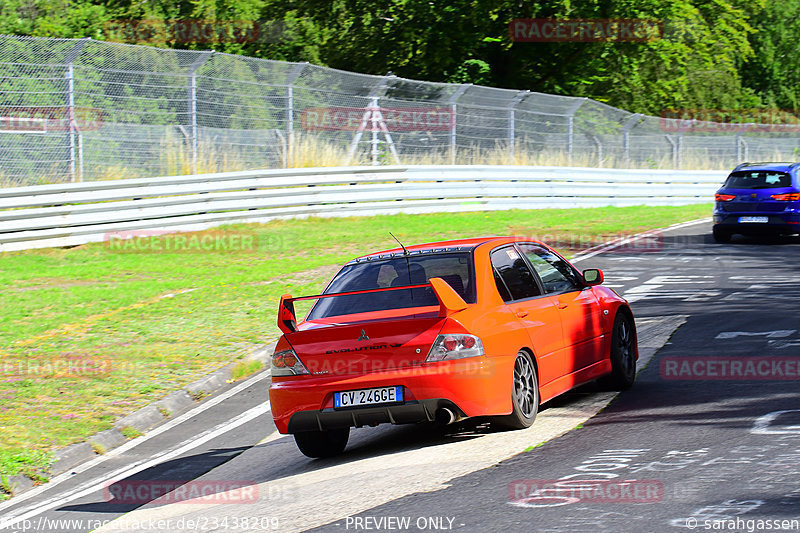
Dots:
pixel 454 268
pixel 758 179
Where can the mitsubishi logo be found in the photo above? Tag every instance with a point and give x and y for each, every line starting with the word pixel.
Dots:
pixel 363 336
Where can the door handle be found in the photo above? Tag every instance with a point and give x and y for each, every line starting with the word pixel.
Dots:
pixel 561 306
pixel 522 314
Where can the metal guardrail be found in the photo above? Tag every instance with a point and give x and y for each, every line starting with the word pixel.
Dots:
pixel 78 213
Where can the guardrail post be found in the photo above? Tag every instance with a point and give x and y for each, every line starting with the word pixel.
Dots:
pixel 192 103
pixel 512 118
pixel 72 130
pixel 288 155
pixel 453 102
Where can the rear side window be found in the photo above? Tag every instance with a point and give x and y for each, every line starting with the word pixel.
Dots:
pixel 758 179
pixel 455 269
pixel 514 279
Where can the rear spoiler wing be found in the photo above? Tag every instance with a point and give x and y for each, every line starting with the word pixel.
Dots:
pixel 449 301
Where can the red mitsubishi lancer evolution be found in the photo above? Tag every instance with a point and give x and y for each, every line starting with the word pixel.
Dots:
pixel 445 331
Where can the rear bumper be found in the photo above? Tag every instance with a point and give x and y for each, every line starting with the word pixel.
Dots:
pixel 783 223
pixel 474 386
pixel 407 413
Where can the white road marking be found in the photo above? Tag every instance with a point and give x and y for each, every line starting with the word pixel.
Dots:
pixel 783 344
pixel 627 240
pixel 684 296
pixel 645 288
pixel 771 280
pixel 129 470
pixel 683 280
pixel 776 334
pixel 136 442
pixel 763 424
pixel 655 288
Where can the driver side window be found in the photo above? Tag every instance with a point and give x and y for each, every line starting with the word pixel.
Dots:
pixel 555 273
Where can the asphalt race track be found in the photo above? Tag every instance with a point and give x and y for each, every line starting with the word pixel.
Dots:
pixel 708 439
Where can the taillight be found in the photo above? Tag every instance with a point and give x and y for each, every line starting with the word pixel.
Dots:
pixel 455 346
pixel 286 363
pixel 724 197
pixel 788 197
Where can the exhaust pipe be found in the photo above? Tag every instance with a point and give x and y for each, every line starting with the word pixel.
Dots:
pixel 445 416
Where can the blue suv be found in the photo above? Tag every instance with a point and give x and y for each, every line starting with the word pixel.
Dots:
pixel 758 199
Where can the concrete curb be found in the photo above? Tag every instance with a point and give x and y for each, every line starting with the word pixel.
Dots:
pixel 142 420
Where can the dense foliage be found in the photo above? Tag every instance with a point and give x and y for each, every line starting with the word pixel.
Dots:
pixel 726 54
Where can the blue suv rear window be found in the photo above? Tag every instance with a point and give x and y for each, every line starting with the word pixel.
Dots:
pixel 758 179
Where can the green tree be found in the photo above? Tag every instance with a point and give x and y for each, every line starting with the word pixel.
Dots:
pixel 774 69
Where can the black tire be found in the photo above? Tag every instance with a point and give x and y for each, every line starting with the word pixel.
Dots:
pixel 524 396
pixel 623 354
pixel 322 443
pixel 721 236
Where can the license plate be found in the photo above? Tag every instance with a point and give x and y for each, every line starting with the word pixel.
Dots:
pixel 356 398
pixel 762 220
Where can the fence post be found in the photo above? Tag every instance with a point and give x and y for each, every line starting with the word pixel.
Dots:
pixel 740 142
pixel 599 146
pixel 453 103
pixel 512 122
pixel 192 103
pixel 571 125
pixel 72 130
pixel 676 148
pixel 289 112
pixel 626 136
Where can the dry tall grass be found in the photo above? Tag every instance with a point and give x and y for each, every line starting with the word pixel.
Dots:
pixel 175 158
pixel 308 151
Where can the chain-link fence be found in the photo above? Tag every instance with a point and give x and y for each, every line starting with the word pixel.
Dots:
pixel 79 110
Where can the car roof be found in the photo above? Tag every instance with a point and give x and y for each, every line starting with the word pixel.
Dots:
pixel 458 245
pixel 775 166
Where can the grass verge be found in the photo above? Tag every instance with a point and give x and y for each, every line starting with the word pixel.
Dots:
pixel 92 333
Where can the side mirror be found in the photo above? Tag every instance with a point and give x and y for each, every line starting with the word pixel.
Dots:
pixel 592 276
pixel 287 321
